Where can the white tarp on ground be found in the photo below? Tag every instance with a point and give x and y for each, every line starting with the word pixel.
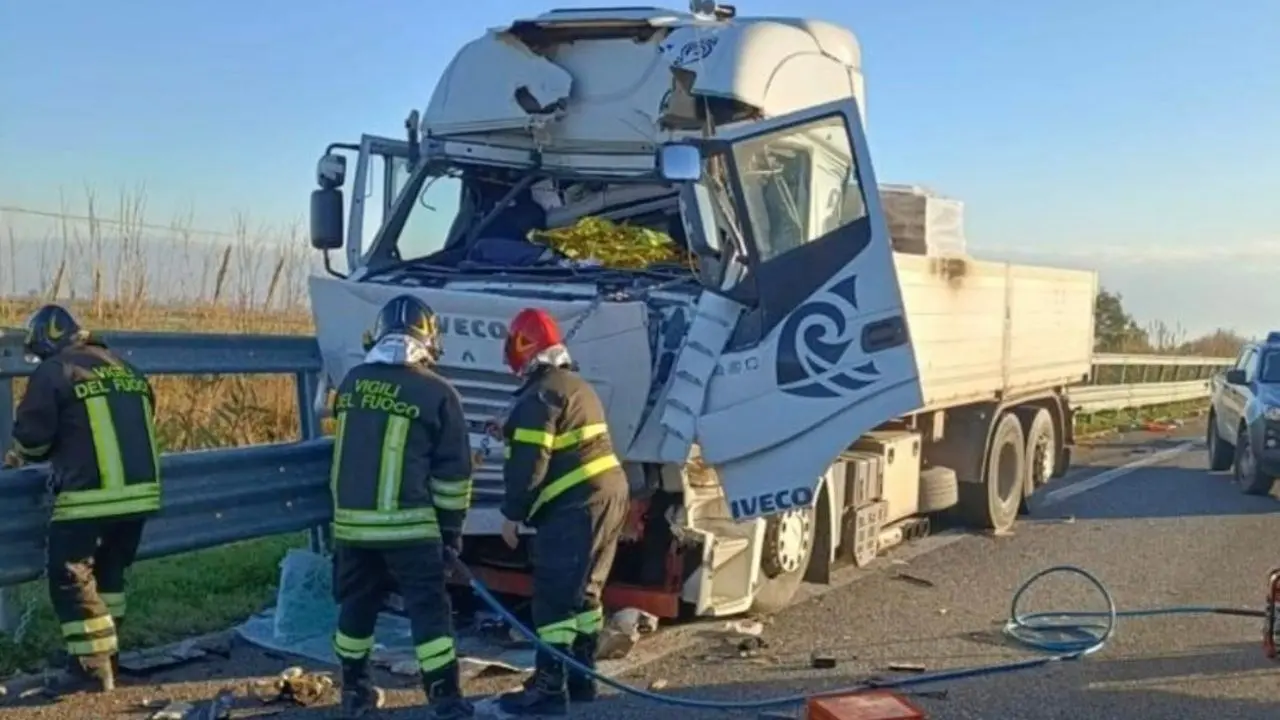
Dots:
pixel 305 617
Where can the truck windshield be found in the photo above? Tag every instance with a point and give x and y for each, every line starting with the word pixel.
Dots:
pixel 1270 368
pixel 800 183
pixel 431 214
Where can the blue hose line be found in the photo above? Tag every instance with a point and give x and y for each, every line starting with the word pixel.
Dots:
pixel 1075 635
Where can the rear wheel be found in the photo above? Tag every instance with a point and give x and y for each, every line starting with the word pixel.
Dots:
pixel 1221 454
pixel 993 503
pixel 1248 475
pixel 1041 452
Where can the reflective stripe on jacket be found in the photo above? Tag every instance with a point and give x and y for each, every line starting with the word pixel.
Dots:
pixel 402 457
pixel 558 444
pixel 92 416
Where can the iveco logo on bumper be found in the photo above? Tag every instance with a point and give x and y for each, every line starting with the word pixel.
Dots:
pixel 473 327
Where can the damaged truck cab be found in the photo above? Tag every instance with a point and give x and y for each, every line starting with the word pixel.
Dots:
pixel 742 384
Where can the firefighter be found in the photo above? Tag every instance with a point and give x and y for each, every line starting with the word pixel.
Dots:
pixel 401 480
pixel 92 416
pixel 562 479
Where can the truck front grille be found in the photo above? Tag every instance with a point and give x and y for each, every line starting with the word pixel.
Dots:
pixel 485 396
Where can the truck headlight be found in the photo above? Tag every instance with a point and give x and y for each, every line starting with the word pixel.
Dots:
pixel 1272 413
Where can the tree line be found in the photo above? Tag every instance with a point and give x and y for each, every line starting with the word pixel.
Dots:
pixel 1116 331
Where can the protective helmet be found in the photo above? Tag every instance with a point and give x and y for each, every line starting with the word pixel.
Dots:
pixel 50 330
pixel 532 331
pixel 406 315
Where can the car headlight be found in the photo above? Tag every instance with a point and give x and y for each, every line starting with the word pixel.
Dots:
pixel 1272 413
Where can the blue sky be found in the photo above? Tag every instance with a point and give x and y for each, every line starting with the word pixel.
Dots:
pixel 1115 135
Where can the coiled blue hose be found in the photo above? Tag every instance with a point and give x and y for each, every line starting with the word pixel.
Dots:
pixel 1076 635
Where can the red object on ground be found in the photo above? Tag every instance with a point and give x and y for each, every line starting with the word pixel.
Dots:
pixel 1271 638
pixel 867 705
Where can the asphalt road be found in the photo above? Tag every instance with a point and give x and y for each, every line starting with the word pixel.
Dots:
pixel 1163 532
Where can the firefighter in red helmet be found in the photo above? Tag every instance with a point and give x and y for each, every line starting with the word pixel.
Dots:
pixel 562 479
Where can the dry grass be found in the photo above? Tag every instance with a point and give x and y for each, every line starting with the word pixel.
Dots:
pixel 117 271
pixel 123 273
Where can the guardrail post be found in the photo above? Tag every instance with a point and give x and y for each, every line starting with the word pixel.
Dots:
pixel 10 610
pixel 307 385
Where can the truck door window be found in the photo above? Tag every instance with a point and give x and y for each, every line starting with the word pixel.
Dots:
pixel 798 184
pixel 1251 366
pixel 427 227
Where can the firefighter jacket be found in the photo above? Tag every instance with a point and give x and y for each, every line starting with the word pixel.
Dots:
pixel 92 416
pixel 402 457
pixel 557 445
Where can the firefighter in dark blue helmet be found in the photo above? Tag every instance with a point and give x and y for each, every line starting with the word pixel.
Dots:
pixel 92 416
pixel 401 481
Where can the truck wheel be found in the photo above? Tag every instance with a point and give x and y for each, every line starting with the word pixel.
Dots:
pixel 788 545
pixel 1248 476
pixel 1042 449
pixel 1221 454
pixel 993 503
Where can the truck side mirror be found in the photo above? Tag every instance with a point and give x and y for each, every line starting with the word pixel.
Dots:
pixel 698 213
pixel 1236 377
pixel 326 219
pixel 680 162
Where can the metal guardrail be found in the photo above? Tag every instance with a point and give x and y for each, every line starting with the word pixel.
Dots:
pixel 214 497
pixel 1120 382
pixel 211 497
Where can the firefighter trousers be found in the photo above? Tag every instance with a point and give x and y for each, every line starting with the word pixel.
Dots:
pixel 86 565
pixel 573 552
pixel 364 576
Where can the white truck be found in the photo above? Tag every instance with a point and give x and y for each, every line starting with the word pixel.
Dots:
pixel 801 392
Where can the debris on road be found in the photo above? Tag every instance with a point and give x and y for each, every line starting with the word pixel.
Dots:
pixel 623 631
pixel 141 662
pixel 914 580
pixel 822 662
pixel 634 620
pixel 745 627
pixel 907 667
pixel 295 686
pixel 658 684
pixel 172 711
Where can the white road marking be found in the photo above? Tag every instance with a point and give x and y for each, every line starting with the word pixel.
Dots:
pixel 1096 481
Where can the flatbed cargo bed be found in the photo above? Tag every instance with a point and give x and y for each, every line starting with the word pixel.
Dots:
pixel 985 330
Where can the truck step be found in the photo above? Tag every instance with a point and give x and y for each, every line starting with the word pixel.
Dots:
pixel 726 549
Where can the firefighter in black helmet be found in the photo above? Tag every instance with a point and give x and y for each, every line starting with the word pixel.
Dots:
pixel 402 486
pixel 92 416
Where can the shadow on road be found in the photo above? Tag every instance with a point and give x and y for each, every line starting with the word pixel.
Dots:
pixel 1157 492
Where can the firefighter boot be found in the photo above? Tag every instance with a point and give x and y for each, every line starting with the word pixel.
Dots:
pixel 444 694
pixel 359 694
pixel 545 694
pixel 91 674
pixel 582 687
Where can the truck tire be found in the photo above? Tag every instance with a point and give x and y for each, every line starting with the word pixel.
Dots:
pixel 1248 476
pixel 788 546
pixel 939 489
pixel 1221 453
pixel 1042 447
pixel 993 503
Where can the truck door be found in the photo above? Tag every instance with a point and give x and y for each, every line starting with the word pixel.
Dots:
pixel 379 175
pixel 822 352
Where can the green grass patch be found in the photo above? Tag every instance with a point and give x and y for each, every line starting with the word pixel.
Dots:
pixel 1133 419
pixel 169 599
